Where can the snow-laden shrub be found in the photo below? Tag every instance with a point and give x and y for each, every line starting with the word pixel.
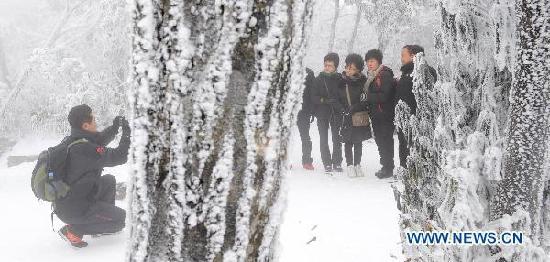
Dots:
pixel 83 60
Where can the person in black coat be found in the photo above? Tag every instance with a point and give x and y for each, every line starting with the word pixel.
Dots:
pixel 405 93
pixel 89 208
pixel 381 100
pixel 349 98
pixel 305 117
pixel 328 115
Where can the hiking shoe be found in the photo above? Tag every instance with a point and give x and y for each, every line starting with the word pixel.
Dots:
pixel 337 168
pixel 359 171
pixel 384 173
pixel 74 239
pixel 328 169
pixel 350 171
pixel 308 166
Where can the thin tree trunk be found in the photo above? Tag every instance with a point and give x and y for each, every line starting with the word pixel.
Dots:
pixel 4 72
pixel 215 91
pixel 332 37
pixel 353 37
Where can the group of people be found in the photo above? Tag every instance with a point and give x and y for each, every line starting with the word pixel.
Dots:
pixel 351 104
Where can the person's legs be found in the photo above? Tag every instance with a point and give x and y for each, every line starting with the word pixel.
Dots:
pixel 335 124
pixel 357 153
pixel 106 189
pixel 377 130
pixel 303 128
pixel 322 126
pixel 102 218
pixel 403 148
pixel 383 135
pixel 388 146
pixel 348 148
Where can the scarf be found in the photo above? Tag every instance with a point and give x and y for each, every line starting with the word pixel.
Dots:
pixel 371 75
pixel 352 78
pixel 323 73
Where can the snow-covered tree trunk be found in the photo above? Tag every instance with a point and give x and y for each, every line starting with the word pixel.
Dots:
pixel 215 90
pixel 520 193
pixel 356 23
pixel 5 82
pixel 332 37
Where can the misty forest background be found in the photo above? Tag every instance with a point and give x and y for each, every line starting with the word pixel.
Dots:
pixel 204 188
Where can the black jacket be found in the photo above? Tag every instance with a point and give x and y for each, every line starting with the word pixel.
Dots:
pixel 381 96
pixel 85 163
pixel 307 105
pixel 405 86
pixel 326 89
pixel 349 133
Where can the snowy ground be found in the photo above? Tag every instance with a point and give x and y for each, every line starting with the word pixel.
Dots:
pixel 328 218
pixel 350 219
pixel 26 232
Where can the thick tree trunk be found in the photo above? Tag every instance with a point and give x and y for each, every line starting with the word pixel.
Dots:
pixel 215 91
pixel 520 192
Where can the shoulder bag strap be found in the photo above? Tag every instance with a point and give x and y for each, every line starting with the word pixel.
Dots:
pixel 348 96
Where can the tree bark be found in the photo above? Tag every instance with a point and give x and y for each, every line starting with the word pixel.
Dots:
pixel 524 178
pixel 215 91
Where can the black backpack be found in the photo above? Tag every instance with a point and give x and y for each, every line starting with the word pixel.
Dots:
pixel 48 177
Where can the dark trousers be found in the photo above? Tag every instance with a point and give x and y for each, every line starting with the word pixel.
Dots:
pixel 323 125
pixel 353 152
pixel 304 123
pixel 403 148
pixel 383 136
pixel 103 216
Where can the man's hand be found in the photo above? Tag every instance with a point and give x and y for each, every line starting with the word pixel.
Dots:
pixel 125 126
pixel 117 122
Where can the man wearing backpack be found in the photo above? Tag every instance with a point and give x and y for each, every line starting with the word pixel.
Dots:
pixel 89 207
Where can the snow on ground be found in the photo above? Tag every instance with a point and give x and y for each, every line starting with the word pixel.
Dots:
pixel 342 218
pixel 26 232
pixel 328 218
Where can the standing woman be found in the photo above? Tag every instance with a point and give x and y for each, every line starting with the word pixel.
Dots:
pixel 381 100
pixel 355 123
pixel 325 105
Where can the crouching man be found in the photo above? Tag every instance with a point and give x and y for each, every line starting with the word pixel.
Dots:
pixel 89 207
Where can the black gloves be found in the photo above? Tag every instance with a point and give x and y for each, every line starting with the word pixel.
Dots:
pixel 125 127
pixel 117 121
